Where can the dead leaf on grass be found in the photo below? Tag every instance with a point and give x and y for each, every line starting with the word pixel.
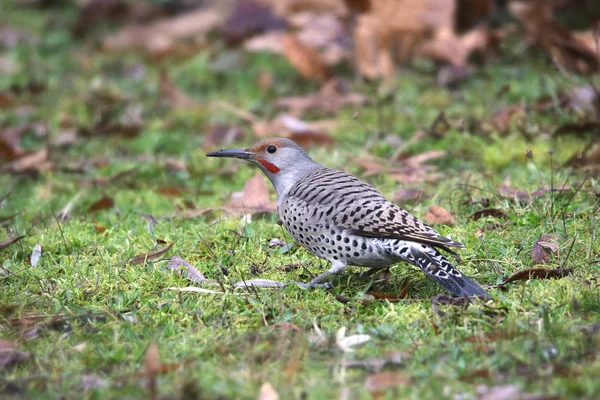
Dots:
pixel 413 195
pixel 379 383
pixel 166 36
pixel 488 212
pixel 182 266
pixel 522 195
pixel 249 18
pixel 30 163
pixel 408 170
pixel 254 199
pixel 104 203
pixel 537 273
pixel 391 297
pixel 10 355
pixel 437 215
pixel 333 95
pixel 576 52
pixel 8 242
pixel 142 258
pixel 544 248
pixel 306 59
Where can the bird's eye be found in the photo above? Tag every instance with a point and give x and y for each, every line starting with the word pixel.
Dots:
pixel 271 149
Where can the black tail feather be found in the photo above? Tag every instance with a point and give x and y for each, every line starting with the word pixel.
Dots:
pixel 438 268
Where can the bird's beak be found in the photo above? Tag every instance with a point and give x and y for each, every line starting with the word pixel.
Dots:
pixel 244 154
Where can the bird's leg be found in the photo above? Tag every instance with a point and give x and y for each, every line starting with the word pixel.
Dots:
pixel 336 268
pixel 370 271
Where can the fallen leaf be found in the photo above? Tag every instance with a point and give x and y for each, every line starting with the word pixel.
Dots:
pixel 380 382
pixel 10 355
pixel 413 195
pixel 537 273
pixel 522 195
pixel 502 118
pixel 249 18
pixel 29 163
pixel 166 36
pixel 8 242
pixel 333 95
pixel 488 212
pixel 104 203
pixel 171 191
pixel 391 297
pixel 543 248
pixel 36 254
pixel 10 141
pixel 437 215
pixel 151 369
pixel 182 266
pixel 267 392
pixel 254 199
pixel 142 258
pixel 306 59
pixel 576 52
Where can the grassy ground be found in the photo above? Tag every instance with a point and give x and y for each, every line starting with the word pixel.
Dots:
pixel 541 335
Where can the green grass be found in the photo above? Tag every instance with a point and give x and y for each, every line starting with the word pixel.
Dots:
pixel 538 334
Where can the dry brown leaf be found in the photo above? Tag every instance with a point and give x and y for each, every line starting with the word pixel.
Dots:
pixel 488 212
pixel 8 242
pixel 333 95
pixel 267 392
pixel 413 195
pixel 255 198
pixel 142 258
pixel 100 228
pixel 543 248
pixel 29 163
pixel 174 95
pixel 182 266
pixel 522 195
pixel 391 297
pixel 10 355
pixel 306 59
pixel 378 383
pixel 502 118
pixel 151 369
pixel 104 203
pixel 166 36
pixel 171 191
pixel 304 132
pixel 449 47
pixel 437 215
pixel 248 18
pixel 10 142
pixel 574 52
pixel 537 273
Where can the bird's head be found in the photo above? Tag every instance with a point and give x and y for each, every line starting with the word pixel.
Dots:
pixel 282 160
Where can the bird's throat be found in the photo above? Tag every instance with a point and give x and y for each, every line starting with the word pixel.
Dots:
pixel 272 168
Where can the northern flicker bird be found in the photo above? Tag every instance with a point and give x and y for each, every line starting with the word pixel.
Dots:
pixel 346 221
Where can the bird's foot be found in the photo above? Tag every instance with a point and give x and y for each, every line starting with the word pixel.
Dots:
pixel 313 285
pixel 370 272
